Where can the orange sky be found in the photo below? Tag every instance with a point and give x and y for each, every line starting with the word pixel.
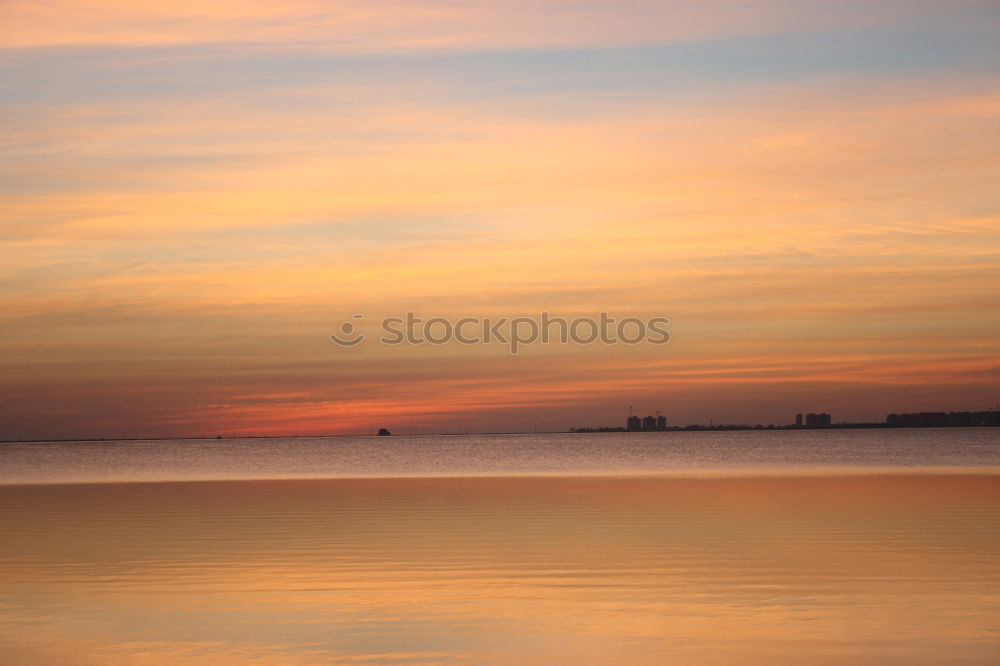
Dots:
pixel 195 196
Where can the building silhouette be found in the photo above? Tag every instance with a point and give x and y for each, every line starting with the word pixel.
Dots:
pixel 944 420
pixel 798 420
pixel 817 420
pixel 646 423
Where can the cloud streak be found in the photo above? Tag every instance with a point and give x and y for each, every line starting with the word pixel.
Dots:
pixel 195 196
pixel 442 25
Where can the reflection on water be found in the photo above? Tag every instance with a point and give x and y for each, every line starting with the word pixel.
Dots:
pixel 886 569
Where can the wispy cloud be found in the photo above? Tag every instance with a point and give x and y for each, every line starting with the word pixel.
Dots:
pixel 195 195
pixel 437 25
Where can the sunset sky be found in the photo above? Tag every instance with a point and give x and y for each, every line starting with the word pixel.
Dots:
pixel 196 194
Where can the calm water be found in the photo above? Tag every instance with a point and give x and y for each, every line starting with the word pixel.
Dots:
pixel 864 547
pixel 703 453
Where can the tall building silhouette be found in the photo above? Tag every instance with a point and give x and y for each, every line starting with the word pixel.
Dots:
pixel 818 420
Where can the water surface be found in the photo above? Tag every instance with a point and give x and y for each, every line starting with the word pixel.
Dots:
pixel 869 556
pixel 703 453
